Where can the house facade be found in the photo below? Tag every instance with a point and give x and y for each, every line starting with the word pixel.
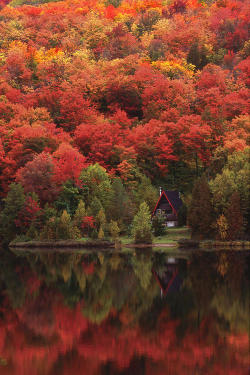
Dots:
pixel 168 205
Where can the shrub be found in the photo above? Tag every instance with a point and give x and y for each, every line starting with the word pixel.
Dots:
pixel 158 225
pixel 141 227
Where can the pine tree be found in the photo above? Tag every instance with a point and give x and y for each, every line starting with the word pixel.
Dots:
pixel 101 233
pixel 95 207
pixel 146 192
pixel 118 201
pixel 101 219
pixel 200 213
pixel 222 227
pixel 234 217
pixel 114 230
pixel 13 204
pixel 141 227
pixel 158 225
pixel 65 226
pixel 197 56
pixel 79 214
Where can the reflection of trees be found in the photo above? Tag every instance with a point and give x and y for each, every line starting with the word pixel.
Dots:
pixel 203 276
pixel 232 300
pixel 142 266
pixel 55 332
pixel 98 299
pixel 234 309
pixel 11 280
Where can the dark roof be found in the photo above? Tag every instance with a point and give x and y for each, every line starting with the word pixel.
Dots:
pixel 173 197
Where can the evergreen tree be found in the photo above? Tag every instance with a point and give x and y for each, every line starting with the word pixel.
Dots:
pixel 182 215
pixel 96 183
pixel 146 192
pixel 50 230
pixel 118 201
pixel 13 204
pixel 197 56
pixel 68 198
pixel 114 230
pixel 234 217
pixel 79 214
pixel 101 233
pixel 141 226
pixel 95 207
pixel 200 213
pixel 222 227
pixel 158 225
pixel 65 226
pixel 101 219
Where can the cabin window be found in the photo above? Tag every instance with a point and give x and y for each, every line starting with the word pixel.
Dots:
pixel 158 211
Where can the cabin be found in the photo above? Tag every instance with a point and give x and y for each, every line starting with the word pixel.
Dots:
pixel 168 205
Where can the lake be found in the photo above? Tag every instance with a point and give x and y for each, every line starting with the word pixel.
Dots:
pixel 138 312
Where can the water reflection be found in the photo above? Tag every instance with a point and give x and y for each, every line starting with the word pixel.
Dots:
pixel 135 313
pixel 167 276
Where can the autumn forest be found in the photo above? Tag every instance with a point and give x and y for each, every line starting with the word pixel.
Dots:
pixel 103 101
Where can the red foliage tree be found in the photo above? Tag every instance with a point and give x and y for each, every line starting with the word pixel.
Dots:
pixel 38 176
pixel 68 163
pixel 29 214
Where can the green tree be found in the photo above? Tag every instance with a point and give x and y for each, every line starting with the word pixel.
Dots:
pixel 233 178
pixel 50 230
pixel 141 226
pixel 65 226
pixel 158 225
pixel 114 230
pixel 146 192
pixel 200 212
pixel 234 217
pixel 101 233
pixel 96 184
pixel 79 214
pixel 69 197
pixel 13 204
pixel 95 207
pixel 182 215
pixel 101 218
pixel 118 201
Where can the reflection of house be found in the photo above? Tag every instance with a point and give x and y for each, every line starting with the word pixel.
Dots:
pixel 168 205
pixel 168 277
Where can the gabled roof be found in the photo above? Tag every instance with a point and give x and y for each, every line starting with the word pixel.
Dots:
pixel 173 198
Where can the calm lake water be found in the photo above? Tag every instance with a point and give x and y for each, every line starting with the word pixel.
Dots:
pixel 140 313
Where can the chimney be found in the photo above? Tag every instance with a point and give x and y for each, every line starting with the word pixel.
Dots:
pixel 160 190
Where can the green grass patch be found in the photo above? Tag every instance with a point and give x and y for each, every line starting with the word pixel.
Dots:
pixel 172 236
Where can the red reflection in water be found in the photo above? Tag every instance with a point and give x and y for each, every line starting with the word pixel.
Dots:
pixel 54 339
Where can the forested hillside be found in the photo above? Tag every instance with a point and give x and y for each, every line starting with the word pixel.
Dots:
pixel 156 92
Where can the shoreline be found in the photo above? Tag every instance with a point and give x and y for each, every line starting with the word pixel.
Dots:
pixel 180 245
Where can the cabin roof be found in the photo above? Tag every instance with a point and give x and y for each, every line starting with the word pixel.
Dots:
pixel 173 198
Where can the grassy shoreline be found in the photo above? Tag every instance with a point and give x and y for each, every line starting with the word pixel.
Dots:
pixel 172 239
